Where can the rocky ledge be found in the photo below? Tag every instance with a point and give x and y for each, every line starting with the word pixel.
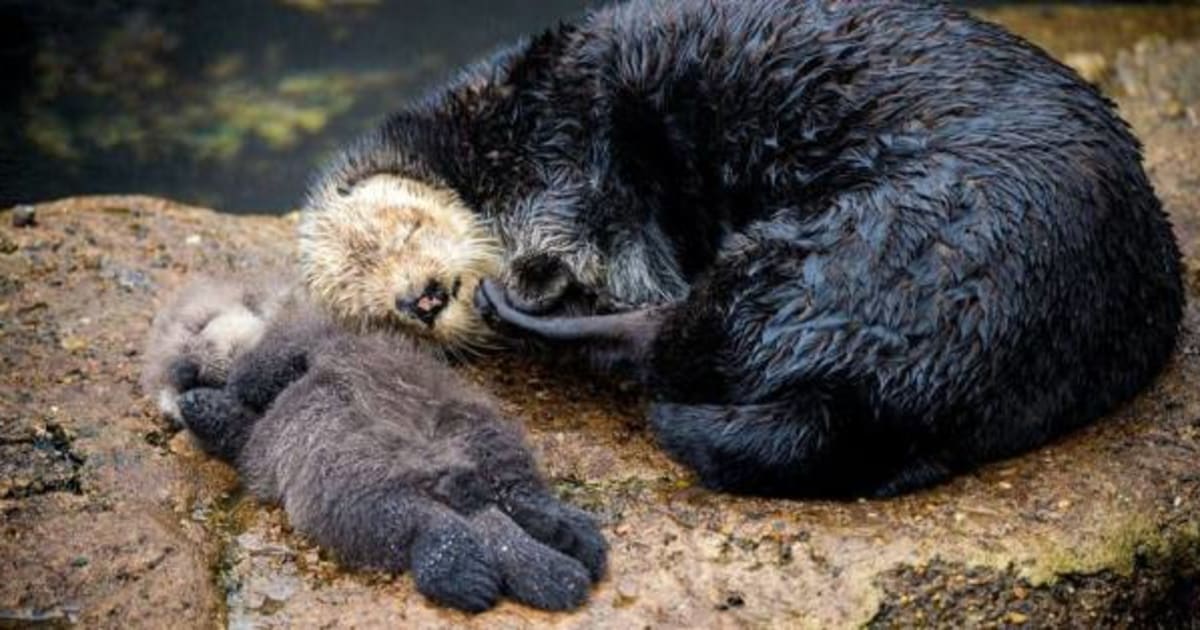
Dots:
pixel 111 518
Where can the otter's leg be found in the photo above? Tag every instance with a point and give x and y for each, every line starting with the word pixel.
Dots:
pixel 781 448
pixel 220 423
pixel 762 393
pixel 258 376
pixel 505 460
pixel 526 568
pixel 452 566
pixel 767 373
pixel 915 475
pixel 505 465
pixel 386 524
pixel 461 553
pixel 620 335
pixel 561 526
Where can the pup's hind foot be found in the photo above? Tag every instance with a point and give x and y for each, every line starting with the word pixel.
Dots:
pixel 563 527
pixel 451 566
pixel 532 573
pixel 469 562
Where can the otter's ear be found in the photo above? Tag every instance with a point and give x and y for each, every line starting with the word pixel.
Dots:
pixel 539 55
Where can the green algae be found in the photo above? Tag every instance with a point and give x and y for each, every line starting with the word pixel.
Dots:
pixel 132 100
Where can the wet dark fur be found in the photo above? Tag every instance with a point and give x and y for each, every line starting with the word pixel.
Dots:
pixel 385 456
pixel 879 241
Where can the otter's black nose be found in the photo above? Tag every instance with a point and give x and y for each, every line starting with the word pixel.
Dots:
pixel 425 306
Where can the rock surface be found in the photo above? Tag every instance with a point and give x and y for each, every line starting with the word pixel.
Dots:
pixel 111 518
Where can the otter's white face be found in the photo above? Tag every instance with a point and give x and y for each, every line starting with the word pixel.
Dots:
pixel 391 252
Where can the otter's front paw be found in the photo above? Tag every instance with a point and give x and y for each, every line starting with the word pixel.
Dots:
pixel 187 373
pixel 495 305
pixel 260 377
pixel 216 420
pixel 539 283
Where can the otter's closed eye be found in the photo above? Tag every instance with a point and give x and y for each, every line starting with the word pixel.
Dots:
pixel 406 233
pixel 197 326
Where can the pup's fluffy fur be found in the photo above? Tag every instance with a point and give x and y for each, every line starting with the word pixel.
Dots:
pixel 201 329
pixel 374 449
pixel 854 246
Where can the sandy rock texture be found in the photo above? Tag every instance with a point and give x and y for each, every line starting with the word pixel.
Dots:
pixel 110 518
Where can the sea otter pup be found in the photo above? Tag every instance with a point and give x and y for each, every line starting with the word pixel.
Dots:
pixel 378 452
pixel 853 246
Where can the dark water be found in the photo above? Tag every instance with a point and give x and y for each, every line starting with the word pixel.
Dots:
pixel 232 103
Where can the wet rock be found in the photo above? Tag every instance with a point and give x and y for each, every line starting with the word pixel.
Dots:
pixel 7 246
pixel 1096 529
pixel 77 478
pixel 1092 66
pixel 27 469
pixel 1160 86
pixel 132 280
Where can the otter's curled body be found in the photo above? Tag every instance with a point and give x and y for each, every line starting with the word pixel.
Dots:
pixel 854 246
pixel 385 456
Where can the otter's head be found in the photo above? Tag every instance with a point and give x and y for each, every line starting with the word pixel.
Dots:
pixel 392 252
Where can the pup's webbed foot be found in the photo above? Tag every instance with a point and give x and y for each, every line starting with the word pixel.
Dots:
pixel 531 572
pixel 504 475
pixel 628 334
pixel 563 527
pixel 468 562
pixel 452 566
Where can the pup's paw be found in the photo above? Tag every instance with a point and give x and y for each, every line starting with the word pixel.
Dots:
pixel 531 572
pixel 261 376
pixel 538 576
pixel 452 567
pixel 563 527
pixel 216 420
pixel 184 374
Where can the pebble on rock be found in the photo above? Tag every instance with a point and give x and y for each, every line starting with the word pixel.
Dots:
pixel 24 216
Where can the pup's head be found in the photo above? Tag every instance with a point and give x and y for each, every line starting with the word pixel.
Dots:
pixel 200 331
pixel 388 252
